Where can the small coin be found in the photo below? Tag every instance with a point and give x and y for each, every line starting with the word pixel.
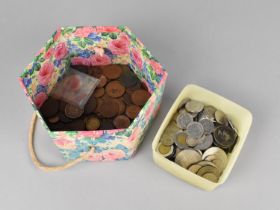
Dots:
pixel 183 119
pixel 209 112
pixel 132 111
pixel 195 130
pixel 99 92
pixel 167 140
pixel 180 140
pixel 166 151
pixel 140 97
pixel 102 81
pixel 126 99
pixel 207 141
pixel 90 105
pixel 191 142
pixel 211 177
pixel 187 157
pixel 221 117
pixel 224 136
pixel 208 126
pixel 194 106
pixel 112 71
pixel 49 108
pixel 92 123
pixel 121 121
pixel 54 119
pixel 108 108
pixel 115 89
pixel 73 111
pixel 194 168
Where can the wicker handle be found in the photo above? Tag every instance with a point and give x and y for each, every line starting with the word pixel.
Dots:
pixel 35 159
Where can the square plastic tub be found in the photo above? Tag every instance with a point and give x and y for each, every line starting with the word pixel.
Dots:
pixel 241 118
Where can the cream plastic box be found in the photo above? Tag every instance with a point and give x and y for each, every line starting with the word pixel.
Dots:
pixel 241 118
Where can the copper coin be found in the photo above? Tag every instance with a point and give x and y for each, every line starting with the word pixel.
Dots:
pixel 54 119
pixel 121 121
pixel 92 123
pixel 99 92
pixel 128 78
pixel 95 71
pixel 77 125
pixel 73 111
pixel 99 102
pixel 102 81
pixel 115 89
pixel 130 90
pixel 112 71
pixel 107 124
pixel 108 108
pixel 121 105
pixel 90 105
pixel 140 97
pixel 132 111
pixel 49 108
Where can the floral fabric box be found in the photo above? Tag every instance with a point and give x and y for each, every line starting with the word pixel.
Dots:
pixel 95 45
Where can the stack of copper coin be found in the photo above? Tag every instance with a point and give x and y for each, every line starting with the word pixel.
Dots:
pixel 114 104
pixel 198 139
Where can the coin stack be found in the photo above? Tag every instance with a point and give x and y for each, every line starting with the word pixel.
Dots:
pixel 198 139
pixel 114 104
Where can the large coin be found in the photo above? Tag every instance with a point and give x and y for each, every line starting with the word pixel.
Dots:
pixel 108 108
pixel 140 97
pixel 183 119
pixel 92 123
pixel 194 168
pixel 224 136
pixel 115 89
pixel 121 121
pixel 112 71
pixel 73 112
pixel 194 106
pixel 195 130
pixel 187 157
pixel 211 177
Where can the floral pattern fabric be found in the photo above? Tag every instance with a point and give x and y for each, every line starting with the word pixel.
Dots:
pixel 95 45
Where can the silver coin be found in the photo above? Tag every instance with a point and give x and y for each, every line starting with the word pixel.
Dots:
pixel 207 143
pixel 192 142
pixel 195 130
pixel 183 119
pixel 209 112
pixel 208 125
pixel 194 106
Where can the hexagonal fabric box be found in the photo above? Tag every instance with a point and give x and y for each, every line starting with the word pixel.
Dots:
pixel 95 45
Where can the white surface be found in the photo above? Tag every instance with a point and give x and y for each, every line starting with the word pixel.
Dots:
pixel 229 47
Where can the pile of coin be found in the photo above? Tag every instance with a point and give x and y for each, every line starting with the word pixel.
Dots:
pixel 198 138
pixel 116 101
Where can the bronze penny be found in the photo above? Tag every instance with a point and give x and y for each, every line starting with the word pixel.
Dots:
pixel 90 105
pixel 108 108
pixel 132 111
pixel 92 123
pixel 121 121
pixel 126 99
pixel 115 89
pixel 112 71
pixel 99 102
pixel 140 97
pixel 54 119
pixel 130 90
pixel 121 105
pixel 73 112
pixel 107 124
pixel 95 71
pixel 102 81
pixel 49 108
pixel 99 92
